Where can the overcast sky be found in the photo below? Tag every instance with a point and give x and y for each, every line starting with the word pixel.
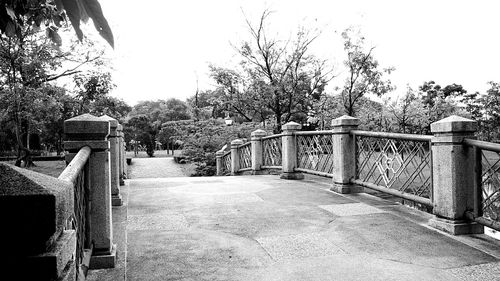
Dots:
pixel 162 46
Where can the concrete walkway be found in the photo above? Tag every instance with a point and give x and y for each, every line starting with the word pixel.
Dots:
pixel 264 228
pixel 154 168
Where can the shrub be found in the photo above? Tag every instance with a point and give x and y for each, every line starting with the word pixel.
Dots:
pixel 202 139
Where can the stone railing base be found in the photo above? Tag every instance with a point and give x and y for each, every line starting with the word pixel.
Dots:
pixel 292 176
pixel 116 200
pixel 346 188
pixel 456 227
pixel 105 260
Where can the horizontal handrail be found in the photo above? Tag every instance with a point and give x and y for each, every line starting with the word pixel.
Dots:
pixel 486 222
pixel 411 197
pixel 391 135
pixel 245 144
pixel 313 133
pixel 314 172
pixel 272 136
pixel 483 145
pixel 70 174
pixel 271 167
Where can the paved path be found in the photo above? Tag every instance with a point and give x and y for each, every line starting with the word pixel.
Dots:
pixel 263 228
pixel 154 168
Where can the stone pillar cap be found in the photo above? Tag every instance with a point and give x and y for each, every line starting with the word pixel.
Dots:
pixel 291 126
pixel 258 133
pixel 86 127
pixel 29 226
pixel 113 123
pixel 453 124
pixel 236 142
pixel 345 120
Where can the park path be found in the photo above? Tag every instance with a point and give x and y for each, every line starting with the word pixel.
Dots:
pixel 262 228
pixel 154 168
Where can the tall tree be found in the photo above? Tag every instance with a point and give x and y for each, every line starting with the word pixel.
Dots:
pixel 364 74
pixel 27 63
pixel 92 93
pixel 409 113
pixel 286 75
pixel 439 102
pixel 485 109
pixel 146 119
pixel 209 104
pixel 162 110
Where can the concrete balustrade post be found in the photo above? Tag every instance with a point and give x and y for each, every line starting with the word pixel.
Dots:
pixel 218 161
pixel 256 145
pixel 289 151
pixel 344 155
pixel 121 154
pixel 235 156
pixel 452 174
pixel 114 149
pixel 88 130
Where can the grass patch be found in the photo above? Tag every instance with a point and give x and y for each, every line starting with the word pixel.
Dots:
pixel 51 168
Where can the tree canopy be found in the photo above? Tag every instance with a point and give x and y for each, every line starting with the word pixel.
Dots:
pixel 16 16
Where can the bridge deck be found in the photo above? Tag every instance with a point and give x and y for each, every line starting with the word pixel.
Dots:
pixel 264 228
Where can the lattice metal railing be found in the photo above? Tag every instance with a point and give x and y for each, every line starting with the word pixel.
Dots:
pixel 271 150
pixel 487 183
pixel 396 163
pixel 82 213
pixel 226 163
pixel 315 152
pixel 245 154
pixel 77 173
pixel 490 184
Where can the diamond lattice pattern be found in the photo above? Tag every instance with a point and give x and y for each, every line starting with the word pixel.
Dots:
pixel 245 153
pixel 315 152
pixel 272 151
pixel 490 183
pixel 404 165
pixel 226 163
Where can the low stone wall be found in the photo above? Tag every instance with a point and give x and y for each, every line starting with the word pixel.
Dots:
pixel 35 210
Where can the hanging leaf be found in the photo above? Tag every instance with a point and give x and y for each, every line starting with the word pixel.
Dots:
pixel 11 13
pixel 73 12
pixel 59 5
pixel 54 36
pixel 83 13
pixel 10 29
pixel 94 11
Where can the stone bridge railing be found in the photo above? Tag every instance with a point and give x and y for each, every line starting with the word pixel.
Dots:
pixel 57 228
pixel 449 172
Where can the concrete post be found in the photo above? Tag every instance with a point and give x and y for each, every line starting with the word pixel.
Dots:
pixel 235 157
pixel 452 171
pixel 344 155
pixel 289 152
pixel 114 149
pixel 218 161
pixel 256 143
pixel 88 130
pixel 121 154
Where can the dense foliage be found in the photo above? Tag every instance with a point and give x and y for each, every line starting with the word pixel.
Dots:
pixel 16 16
pixel 145 119
pixel 202 139
pixel 32 106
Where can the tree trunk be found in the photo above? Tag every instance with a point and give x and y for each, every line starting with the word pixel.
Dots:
pixel 277 127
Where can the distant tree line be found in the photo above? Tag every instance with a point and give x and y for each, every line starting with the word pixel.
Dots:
pixel 281 80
